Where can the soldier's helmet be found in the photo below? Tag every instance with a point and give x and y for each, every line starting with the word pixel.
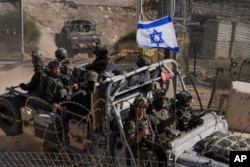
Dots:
pixel 100 49
pixel 140 100
pixel 38 59
pixel 91 76
pixel 143 60
pixel 159 93
pixel 61 53
pixel 54 63
pixel 183 96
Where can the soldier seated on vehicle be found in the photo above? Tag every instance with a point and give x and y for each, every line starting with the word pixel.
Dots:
pixel 32 87
pixel 52 86
pixel 160 117
pixel 187 119
pixel 139 133
pixel 84 89
pixel 142 60
pixel 102 61
pixel 67 68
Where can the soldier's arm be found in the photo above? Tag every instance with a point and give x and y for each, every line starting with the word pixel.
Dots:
pixel 48 91
pixel 130 132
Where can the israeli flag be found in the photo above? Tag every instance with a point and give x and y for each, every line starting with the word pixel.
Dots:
pixel 157 34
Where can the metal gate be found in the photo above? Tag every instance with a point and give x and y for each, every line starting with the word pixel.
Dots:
pixel 11 31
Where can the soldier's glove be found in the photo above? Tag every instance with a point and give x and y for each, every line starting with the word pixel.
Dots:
pixel 23 86
pixel 163 125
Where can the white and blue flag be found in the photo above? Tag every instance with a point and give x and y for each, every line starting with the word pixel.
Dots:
pixel 157 34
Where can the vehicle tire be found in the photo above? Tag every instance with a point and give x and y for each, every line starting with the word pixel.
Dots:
pixel 10 115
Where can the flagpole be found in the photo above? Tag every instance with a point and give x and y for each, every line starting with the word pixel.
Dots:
pixel 140 17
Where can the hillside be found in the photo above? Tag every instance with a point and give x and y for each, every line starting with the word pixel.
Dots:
pixel 50 16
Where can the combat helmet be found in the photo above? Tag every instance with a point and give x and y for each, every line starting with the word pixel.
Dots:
pixel 38 59
pixel 139 100
pixel 54 63
pixel 100 49
pixel 159 93
pixel 183 96
pixel 143 60
pixel 61 53
pixel 91 76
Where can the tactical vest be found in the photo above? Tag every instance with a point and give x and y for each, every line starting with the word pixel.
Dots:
pixel 67 67
pixel 59 92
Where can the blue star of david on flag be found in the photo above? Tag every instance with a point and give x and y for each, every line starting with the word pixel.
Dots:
pixel 156 38
pixel 157 34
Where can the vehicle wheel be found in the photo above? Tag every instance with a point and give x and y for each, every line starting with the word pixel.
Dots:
pixel 10 116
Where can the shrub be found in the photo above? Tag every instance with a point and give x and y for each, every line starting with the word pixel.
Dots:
pixel 32 33
pixel 127 41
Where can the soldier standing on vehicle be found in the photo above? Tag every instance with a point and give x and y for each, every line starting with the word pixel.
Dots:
pixel 138 131
pixel 53 89
pixel 32 87
pixel 102 61
pixel 186 118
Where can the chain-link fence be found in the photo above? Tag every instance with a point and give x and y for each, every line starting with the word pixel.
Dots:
pixel 10 30
pixel 213 39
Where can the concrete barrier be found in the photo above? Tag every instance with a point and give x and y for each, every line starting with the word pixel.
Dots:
pixel 238 108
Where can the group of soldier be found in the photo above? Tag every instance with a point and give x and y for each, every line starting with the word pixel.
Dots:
pixel 60 80
pixel 149 126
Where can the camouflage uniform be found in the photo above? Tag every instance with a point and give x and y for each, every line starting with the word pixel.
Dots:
pixel 32 87
pixel 133 127
pixel 53 87
pixel 142 60
pixel 67 68
pixel 186 118
pixel 85 89
pixel 161 122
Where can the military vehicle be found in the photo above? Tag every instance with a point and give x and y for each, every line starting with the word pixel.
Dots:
pixel 76 36
pixel 96 135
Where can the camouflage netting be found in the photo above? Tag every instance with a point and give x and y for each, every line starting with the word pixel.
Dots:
pixel 218 146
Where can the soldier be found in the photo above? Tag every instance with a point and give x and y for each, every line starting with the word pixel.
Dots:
pixel 67 68
pixel 160 117
pixel 138 131
pixel 85 88
pixel 61 55
pixel 32 87
pixel 53 89
pixel 186 118
pixel 102 61
pixel 142 60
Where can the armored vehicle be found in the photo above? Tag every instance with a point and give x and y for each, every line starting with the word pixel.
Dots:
pixel 76 36
pixel 96 135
